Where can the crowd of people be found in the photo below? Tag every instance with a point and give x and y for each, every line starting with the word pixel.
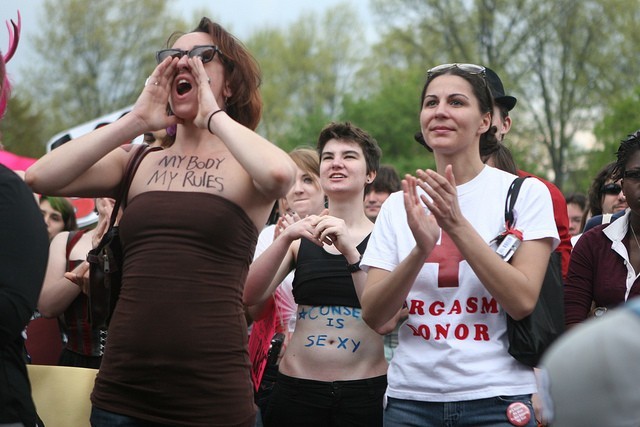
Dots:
pixel 316 287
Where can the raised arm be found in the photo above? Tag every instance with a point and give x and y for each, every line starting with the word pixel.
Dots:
pixel 90 166
pixel 57 291
pixel 271 168
pixel 272 266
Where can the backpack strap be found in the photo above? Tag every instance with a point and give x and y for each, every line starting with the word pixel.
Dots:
pixel 510 201
pixel 130 171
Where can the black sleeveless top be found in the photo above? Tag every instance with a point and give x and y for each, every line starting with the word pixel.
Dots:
pixel 322 278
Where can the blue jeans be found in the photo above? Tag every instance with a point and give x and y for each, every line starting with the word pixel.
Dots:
pixel 102 418
pixel 472 413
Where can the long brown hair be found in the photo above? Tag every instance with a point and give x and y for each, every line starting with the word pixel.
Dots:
pixel 242 73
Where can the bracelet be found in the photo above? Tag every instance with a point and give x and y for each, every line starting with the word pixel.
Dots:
pixel 209 121
pixel 355 267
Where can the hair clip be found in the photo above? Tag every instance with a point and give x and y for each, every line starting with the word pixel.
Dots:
pixel 14 37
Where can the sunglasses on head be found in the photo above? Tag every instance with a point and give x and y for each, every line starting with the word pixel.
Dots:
pixel 206 53
pixel 612 188
pixel 467 68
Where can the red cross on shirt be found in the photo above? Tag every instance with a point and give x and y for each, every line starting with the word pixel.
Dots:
pixel 448 258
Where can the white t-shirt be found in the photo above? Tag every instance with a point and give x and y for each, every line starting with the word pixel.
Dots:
pixel 453 346
pixel 285 303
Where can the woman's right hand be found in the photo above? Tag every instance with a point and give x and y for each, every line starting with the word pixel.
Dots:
pixel 293 227
pixel 424 227
pixel 100 230
pixel 80 277
pixel 151 105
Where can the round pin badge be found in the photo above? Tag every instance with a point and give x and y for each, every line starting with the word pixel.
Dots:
pixel 518 414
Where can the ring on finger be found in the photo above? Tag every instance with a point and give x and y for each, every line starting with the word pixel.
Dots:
pixel 148 81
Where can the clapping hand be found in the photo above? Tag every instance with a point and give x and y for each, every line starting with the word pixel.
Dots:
pixel 333 231
pixel 423 226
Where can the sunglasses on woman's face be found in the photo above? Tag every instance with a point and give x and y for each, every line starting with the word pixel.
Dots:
pixel 206 53
pixel 612 189
pixel 633 175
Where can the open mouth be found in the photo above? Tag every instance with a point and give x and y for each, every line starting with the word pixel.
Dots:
pixel 183 87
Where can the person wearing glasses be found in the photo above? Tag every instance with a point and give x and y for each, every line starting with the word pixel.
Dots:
pixel 607 201
pixel 177 347
pixel 605 194
pixel 605 261
pixel 434 250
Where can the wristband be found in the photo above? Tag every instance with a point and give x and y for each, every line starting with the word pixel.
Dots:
pixel 355 267
pixel 209 121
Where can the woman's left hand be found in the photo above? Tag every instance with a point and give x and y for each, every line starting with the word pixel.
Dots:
pixel 207 102
pixel 333 231
pixel 444 197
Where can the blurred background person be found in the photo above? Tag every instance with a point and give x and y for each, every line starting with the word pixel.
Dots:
pixel 275 319
pixel 591 373
pixel 64 300
pixel 163 138
pixel 605 263
pixel 501 118
pixel 387 181
pixel 576 207
pixel 501 158
pixel 605 194
pixel 607 201
pixel 59 215
pixel 44 338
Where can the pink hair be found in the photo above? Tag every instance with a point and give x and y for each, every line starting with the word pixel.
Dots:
pixel 14 38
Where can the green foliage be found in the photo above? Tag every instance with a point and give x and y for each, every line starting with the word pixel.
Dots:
pixel 24 132
pixel 621 119
pixel 570 64
pixel 99 54
pixel 391 116
pixel 554 56
pixel 306 70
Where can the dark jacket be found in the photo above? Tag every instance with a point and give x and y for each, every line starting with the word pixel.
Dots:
pixel 24 249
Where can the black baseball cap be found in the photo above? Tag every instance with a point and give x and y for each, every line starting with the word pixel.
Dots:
pixel 497 90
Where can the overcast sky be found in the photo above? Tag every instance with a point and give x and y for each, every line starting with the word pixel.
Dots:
pixel 240 16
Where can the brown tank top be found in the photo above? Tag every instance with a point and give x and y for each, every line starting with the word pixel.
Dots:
pixel 177 346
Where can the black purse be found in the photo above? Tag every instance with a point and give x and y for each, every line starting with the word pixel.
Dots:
pixel 530 337
pixel 105 260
